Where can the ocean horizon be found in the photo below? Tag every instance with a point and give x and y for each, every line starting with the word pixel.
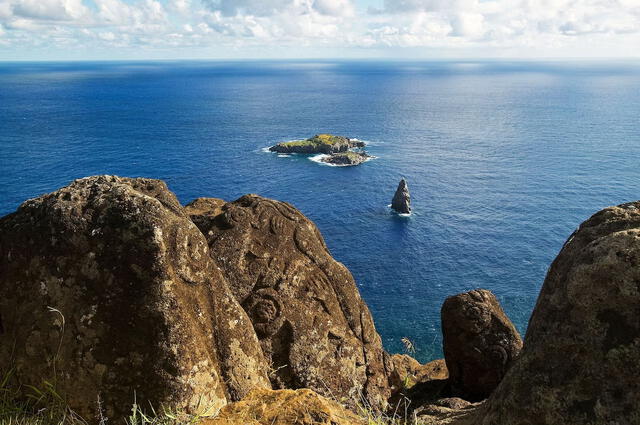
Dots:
pixel 504 159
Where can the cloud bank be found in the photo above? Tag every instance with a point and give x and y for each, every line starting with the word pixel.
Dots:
pixel 308 28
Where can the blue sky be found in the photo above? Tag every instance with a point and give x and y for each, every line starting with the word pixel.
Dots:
pixel 406 29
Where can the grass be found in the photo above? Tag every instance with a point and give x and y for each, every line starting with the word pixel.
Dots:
pixel 317 140
pixel 29 405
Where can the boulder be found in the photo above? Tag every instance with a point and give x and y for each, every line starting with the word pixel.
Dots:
pixel 285 407
pixel 581 358
pixel 314 328
pixel 479 342
pixel 401 199
pixel 108 291
pixel 407 371
pixel 345 159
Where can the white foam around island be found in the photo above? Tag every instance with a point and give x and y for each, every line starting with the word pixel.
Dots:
pixel 319 159
pixel 397 213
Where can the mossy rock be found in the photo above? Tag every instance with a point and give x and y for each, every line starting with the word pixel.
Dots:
pixel 320 143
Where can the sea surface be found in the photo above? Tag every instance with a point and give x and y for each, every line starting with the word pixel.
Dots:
pixel 503 159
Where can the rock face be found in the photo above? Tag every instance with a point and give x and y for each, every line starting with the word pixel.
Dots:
pixel 480 342
pixel 581 358
pixel 285 407
pixel 407 371
pixel 320 143
pixel 314 328
pixel 107 288
pixel 402 200
pixel 346 158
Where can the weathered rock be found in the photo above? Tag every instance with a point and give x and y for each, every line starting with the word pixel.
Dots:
pixel 446 411
pixel 320 143
pixel 285 407
pixel 313 326
pixel 480 342
pixel 107 289
pixel 346 159
pixel 581 358
pixel 407 371
pixel 401 199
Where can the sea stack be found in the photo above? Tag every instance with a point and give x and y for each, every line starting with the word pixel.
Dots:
pixel 402 200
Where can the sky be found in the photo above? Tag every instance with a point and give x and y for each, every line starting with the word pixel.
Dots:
pixel 272 29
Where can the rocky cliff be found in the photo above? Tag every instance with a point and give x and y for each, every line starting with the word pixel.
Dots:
pixel 110 288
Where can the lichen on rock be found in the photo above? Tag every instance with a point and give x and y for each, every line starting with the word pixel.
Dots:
pixel 107 290
pixel 313 326
pixel 581 358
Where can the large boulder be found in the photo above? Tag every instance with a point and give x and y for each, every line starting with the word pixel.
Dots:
pixel 285 407
pixel 479 342
pixel 401 201
pixel 581 358
pixel 108 291
pixel 314 328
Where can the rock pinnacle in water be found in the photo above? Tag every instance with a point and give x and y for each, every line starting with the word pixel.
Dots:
pixel 402 200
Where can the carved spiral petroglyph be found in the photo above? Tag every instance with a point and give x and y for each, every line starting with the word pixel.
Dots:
pixel 498 353
pixel 235 215
pixel 478 318
pixel 265 310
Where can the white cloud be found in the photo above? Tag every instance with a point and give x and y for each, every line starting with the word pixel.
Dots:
pixel 591 26
pixel 334 7
pixel 50 9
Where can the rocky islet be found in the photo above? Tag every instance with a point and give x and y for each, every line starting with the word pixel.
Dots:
pixel 336 150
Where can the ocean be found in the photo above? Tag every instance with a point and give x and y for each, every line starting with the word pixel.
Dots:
pixel 503 159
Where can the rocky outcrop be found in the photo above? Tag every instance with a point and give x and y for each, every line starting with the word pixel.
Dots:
pixel 479 342
pixel 401 199
pixel 345 159
pixel 320 143
pixel 314 328
pixel 581 358
pixel 107 290
pixel 407 371
pixel 285 407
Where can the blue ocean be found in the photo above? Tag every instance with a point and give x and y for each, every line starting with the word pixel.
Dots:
pixel 503 159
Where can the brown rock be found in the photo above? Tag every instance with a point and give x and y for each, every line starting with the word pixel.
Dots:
pixel 407 371
pixel 108 289
pixel 401 201
pixel 285 407
pixel 480 342
pixel 314 328
pixel 581 358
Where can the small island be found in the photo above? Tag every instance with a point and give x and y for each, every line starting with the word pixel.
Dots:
pixel 320 143
pixel 345 159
